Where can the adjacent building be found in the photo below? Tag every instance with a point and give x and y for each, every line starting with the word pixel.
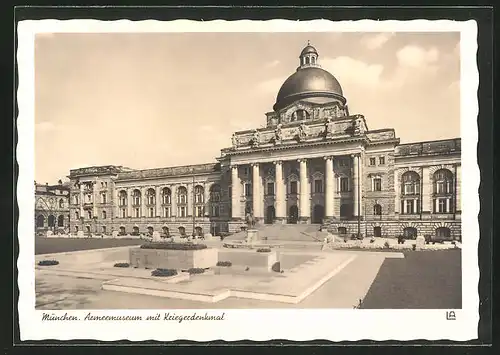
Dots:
pixel 314 162
pixel 52 208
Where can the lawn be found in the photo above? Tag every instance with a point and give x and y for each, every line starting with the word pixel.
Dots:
pixel 423 280
pixel 60 245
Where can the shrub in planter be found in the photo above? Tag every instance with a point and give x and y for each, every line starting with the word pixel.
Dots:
pixel 173 246
pixel 224 263
pixel 196 270
pixel 48 262
pixel 414 247
pixel 386 245
pixel 263 250
pixel 276 267
pixel 164 272
pixel 122 265
pixel 372 240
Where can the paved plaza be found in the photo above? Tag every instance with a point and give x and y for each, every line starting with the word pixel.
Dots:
pixel 382 280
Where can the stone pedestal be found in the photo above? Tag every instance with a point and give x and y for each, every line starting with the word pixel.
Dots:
pixel 420 241
pixel 79 234
pixel 252 236
pixel 114 234
pixel 156 237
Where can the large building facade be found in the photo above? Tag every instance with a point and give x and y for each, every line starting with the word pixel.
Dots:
pixel 314 162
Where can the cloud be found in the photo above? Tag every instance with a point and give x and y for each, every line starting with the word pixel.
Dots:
pixel 415 56
pixel 350 70
pixel 270 86
pixel 376 41
pixel 273 64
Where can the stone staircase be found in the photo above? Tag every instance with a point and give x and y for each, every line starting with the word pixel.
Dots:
pixel 285 232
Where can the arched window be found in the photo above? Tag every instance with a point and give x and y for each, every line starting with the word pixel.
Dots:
pixel 77 215
pixel 300 115
pixel 443 233
pixel 40 221
pixel 377 210
pixel 166 196
pixel 122 198
pixel 182 195
pixel 215 192
pixel 60 221
pixel 410 183
pixel 151 196
pixel 198 194
pixel 342 230
pixel 136 198
pixel 51 221
pixel 61 203
pixel 89 214
pixel 443 182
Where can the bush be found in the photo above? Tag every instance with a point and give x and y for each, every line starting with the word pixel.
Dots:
pixel 276 267
pixel 122 265
pixel 173 246
pixel 224 263
pixel 164 272
pixel 414 247
pixel 48 262
pixel 263 250
pixel 196 270
pixel 386 245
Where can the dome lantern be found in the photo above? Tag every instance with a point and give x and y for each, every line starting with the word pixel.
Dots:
pixel 308 57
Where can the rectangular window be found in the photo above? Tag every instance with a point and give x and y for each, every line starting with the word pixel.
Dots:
pixel 409 206
pixel 166 212
pixel 344 184
pixel 151 212
pixel 215 211
pixel 442 205
pixel 182 211
pixel 318 186
pixel 343 162
pixel 248 190
pixel 89 214
pixel 123 212
pixel 372 161
pixel 293 187
pixel 246 171
pixel 270 188
pixel 377 184
pixel 104 229
pixel 199 211
pixel 103 214
pixel 381 160
pixel 77 215
pixel 137 213
pixel 103 198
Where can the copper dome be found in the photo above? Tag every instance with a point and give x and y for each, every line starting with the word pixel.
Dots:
pixel 308 82
pixel 308 49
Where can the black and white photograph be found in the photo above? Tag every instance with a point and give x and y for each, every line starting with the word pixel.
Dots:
pixel 190 175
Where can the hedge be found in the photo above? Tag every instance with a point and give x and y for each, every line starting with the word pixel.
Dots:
pixel 196 270
pixel 121 265
pixel 224 263
pixel 173 246
pixel 164 272
pixel 263 250
pixel 48 262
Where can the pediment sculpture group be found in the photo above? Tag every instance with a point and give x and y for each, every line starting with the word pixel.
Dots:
pixel 302 134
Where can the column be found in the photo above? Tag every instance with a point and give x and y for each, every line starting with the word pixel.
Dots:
pixel 206 198
pixel 235 193
pixel 95 199
pixel 158 200
pixel 458 190
pixel 256 198
pixel 405 207
pixel 397 188
pixel 415 206
pixel 129 202
pixel 436 205
pixel 81 200
pixel 426 190
pixel 329 180
pixel 190 202
pixel 356 184
pixel 280 192
pixel 448 209
pixel 304 191
pixel 361 187
pixel 144 200
pixel 173 197
pixel 116 203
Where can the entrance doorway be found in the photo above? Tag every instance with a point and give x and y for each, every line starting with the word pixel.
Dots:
pixel 293 214
pixel 270 214
pixel 318 214
pixel 377 232
pixel 410 233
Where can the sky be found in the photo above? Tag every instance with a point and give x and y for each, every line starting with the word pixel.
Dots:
pixel 163 99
